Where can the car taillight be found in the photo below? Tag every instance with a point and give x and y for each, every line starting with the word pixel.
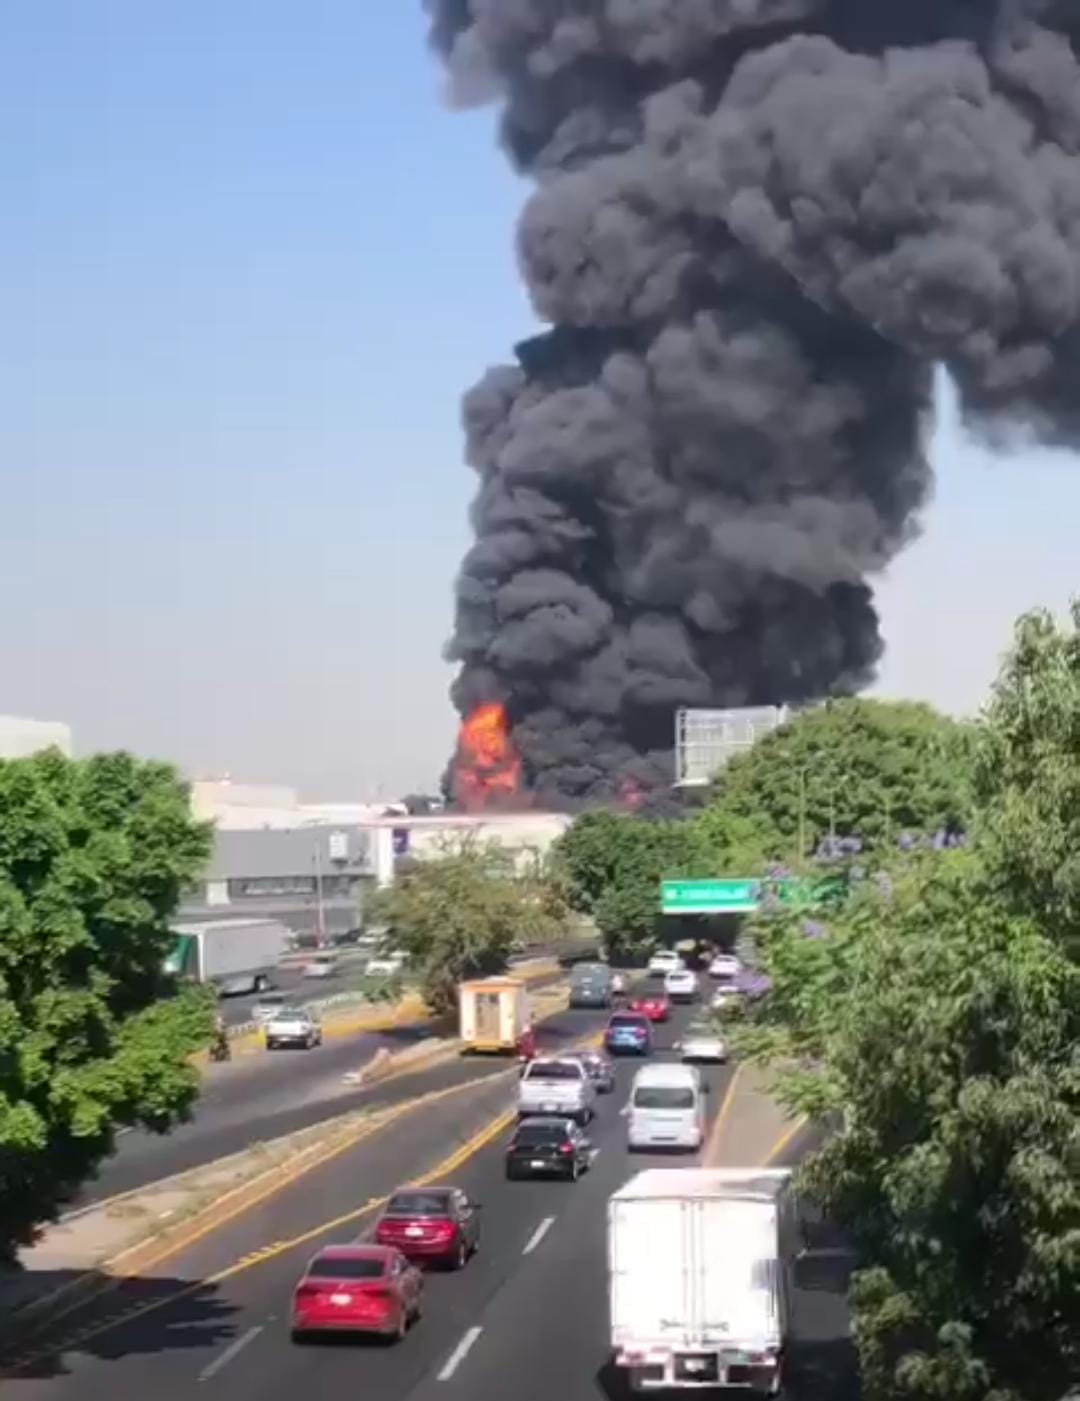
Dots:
pixel 566 1147
pixel 377 1293
pixel 307 1290
pixel 443 1228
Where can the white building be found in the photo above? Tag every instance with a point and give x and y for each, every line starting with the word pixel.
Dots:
pixel 20 737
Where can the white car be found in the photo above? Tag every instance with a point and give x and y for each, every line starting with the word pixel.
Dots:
pixel 386 965
pixel 323 965
pixel 665 961
pixel 681 985
pixel 293 1026
pixel 724 997
pixel 703 1042
pixel 726 966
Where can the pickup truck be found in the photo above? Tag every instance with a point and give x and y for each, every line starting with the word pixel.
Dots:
pixel 559 1087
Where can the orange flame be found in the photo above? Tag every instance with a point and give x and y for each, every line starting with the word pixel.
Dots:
pixel 487 766
pixel 631 794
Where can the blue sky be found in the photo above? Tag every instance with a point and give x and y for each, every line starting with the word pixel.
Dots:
pixel 249 262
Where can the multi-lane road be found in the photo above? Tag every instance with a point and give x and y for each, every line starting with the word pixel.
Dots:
pixel 527 1317
pixel 258 1097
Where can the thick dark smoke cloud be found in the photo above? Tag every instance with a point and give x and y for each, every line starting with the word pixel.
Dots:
pixel 757 226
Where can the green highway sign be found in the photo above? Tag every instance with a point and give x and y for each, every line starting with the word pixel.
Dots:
pixel 709 897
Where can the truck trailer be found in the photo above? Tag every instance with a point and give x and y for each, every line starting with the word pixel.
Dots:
pixel 699 1277
pixel 236 955
pixel 494 1015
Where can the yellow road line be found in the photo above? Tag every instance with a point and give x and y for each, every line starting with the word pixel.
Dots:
pixel 112 1267
pixel 785 1138
pixel 712 1147
pixel 460 1155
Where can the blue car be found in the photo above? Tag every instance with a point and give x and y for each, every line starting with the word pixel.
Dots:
pixel 628 1033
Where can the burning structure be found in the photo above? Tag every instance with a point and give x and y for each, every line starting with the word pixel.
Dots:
pixel 757 227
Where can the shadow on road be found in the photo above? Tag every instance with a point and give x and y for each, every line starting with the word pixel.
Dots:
pixel 101 1317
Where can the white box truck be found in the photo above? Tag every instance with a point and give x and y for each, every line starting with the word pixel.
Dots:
pixel 699 1277
pixel 494 1014
pixel 236 955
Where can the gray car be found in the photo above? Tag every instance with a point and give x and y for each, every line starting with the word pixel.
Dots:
pixel 600 1071
pixel 292 1026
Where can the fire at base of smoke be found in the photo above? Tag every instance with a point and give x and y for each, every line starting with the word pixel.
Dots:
pixel 756 228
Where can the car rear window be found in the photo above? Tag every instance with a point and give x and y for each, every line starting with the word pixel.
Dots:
pixel 347 1267
pixel 418 1204
pixel 626 1021
pixel 540 1133
pixel 663 1097
pixel 554 1070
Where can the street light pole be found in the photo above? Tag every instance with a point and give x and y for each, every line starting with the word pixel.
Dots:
pixel 321 923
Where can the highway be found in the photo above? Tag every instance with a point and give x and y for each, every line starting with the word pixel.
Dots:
pixel 258 1097
pixel 527 1317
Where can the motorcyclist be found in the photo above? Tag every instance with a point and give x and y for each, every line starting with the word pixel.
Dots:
pixel 219 1047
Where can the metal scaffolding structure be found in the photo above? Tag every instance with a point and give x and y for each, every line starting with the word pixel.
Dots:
pixel 705 740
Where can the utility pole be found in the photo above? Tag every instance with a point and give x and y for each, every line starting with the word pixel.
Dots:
pixel 321 923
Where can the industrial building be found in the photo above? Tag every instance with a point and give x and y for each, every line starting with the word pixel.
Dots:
pixel 311 865
pixel 20 737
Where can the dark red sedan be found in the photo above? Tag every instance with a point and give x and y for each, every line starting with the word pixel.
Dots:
pixel 439 1224
pixel 656 1006
pixel 357 1289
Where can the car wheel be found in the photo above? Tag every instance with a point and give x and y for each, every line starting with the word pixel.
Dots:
pixel 461 1256
pixel 271 1045
pixel 402 1327
pixel 575 1171
pixel 261 983
pixel 298 1336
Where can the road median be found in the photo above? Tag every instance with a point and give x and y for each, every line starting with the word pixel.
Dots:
pixel 346 1015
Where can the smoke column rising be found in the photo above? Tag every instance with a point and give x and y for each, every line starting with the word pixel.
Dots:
pixel 757 226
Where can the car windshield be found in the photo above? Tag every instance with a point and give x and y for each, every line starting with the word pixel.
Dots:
pixel 540 1133
pixel 347 1267
pixel 295 1014
pixel 554 1070
pixel 625 1023
pixel 418 1204
pixel 663 1097
pixel 701 1029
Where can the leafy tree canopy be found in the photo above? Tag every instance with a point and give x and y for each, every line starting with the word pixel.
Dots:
pixel 868 768
pixel 1027 775
pixel 94 857
pixel 457 915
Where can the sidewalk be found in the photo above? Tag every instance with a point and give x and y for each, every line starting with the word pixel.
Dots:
pixel 751 1129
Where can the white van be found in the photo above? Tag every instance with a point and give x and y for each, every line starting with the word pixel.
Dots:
pixel 667 1108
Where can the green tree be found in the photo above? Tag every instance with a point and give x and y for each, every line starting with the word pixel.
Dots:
pixel 457 915
pixel 1027 775
pixel 613 865
pixel 957 1171
pixel 865 768
pixel 94 857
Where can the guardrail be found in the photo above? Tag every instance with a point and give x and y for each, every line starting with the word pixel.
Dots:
pixel 337 999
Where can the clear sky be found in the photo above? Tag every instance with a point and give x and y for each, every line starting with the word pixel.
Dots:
pixel 249 261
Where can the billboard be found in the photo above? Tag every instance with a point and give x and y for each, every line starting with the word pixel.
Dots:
pixel 705 740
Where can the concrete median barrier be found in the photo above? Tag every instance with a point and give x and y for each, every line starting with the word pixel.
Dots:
pixel 352 1014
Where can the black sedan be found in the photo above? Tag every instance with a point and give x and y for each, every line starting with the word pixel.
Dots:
pixel 599 1070
pixel 548 1148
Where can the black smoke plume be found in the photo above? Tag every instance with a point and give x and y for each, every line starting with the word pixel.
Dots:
pixel 757 227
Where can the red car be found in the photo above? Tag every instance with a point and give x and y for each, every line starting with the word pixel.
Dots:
pixel 439 1224
pixel 656 1006
pixel 357 1289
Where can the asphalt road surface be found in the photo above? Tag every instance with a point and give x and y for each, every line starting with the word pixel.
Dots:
pixel 259 1097
pixel 527 1318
